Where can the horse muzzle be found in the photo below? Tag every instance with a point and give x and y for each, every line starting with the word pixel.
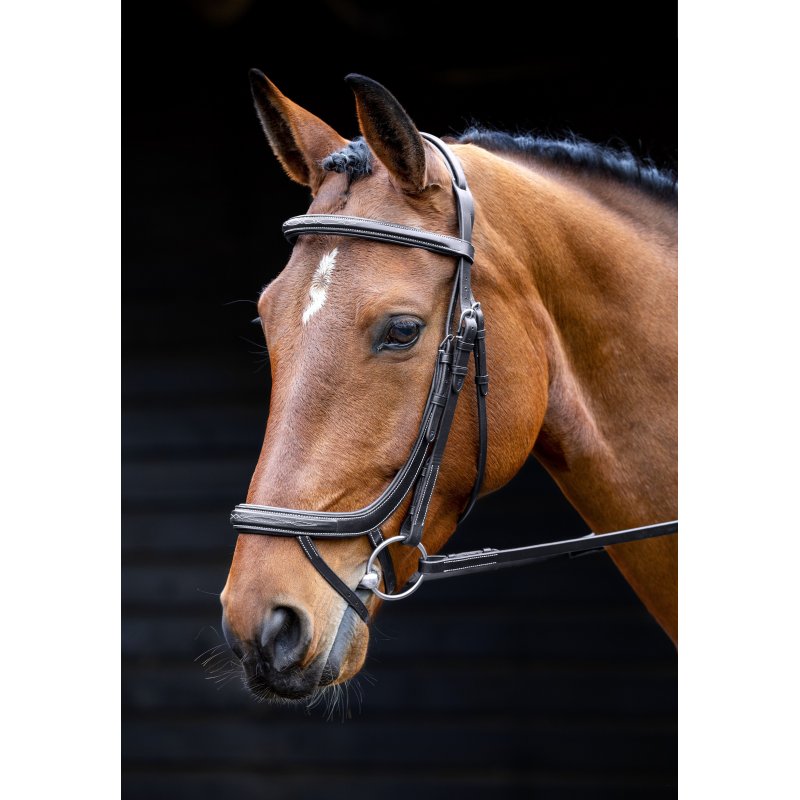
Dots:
pixel 278 663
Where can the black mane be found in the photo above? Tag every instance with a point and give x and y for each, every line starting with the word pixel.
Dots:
pixel 355 159
pixel 580 155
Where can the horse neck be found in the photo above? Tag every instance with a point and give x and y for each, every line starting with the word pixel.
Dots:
pixel 594 267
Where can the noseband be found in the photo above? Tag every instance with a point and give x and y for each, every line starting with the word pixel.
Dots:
pixel 421 470
pixel 462 338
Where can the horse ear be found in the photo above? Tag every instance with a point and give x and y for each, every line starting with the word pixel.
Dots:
pixel 298 138
pixel 390 133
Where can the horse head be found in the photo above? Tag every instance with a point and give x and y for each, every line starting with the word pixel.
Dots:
pixel 353 328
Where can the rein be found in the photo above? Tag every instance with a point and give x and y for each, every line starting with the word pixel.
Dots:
pixel 419 473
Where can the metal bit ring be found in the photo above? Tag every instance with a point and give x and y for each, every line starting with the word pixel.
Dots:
pixel 371 583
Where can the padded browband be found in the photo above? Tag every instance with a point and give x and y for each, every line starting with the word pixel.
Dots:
pixel 379 231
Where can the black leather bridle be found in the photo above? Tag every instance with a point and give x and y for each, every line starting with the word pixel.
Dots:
pixel 463 337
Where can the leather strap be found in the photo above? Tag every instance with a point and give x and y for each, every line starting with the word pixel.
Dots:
pixel 379 231
pixel 309 548
pixel 315 557
pixel 489 559
pixel 460 350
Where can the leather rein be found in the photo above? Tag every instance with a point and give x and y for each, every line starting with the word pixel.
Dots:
pixel 419 473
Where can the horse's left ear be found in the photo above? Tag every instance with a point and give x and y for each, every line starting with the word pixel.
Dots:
pixel 390 133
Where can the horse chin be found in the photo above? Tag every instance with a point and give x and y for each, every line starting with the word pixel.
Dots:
pixel 296 684
pixel 272 693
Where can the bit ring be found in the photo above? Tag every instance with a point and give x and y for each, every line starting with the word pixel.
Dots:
pixel 369 572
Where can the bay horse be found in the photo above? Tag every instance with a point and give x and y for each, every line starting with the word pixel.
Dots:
pixel 576 269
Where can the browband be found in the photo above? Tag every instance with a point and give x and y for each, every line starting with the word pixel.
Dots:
pixel 389 232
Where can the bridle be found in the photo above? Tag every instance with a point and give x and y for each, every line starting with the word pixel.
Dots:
pixel 463 337
pixel 420 471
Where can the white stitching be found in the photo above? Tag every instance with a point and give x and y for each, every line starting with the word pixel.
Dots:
pixel 460 558
pixel 288 532
pixel 431 483
pixel 303 545
pixel 471 566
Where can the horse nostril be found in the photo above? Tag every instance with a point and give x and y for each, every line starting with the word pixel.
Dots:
pixel 284 637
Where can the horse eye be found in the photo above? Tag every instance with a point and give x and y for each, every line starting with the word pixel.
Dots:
pixel 400 333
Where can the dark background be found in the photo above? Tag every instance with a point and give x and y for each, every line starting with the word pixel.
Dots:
pixel 551 681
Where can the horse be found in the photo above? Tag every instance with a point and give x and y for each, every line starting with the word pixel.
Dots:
pixel 576 268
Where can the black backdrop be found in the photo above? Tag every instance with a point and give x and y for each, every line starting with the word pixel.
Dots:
pixel 553 681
